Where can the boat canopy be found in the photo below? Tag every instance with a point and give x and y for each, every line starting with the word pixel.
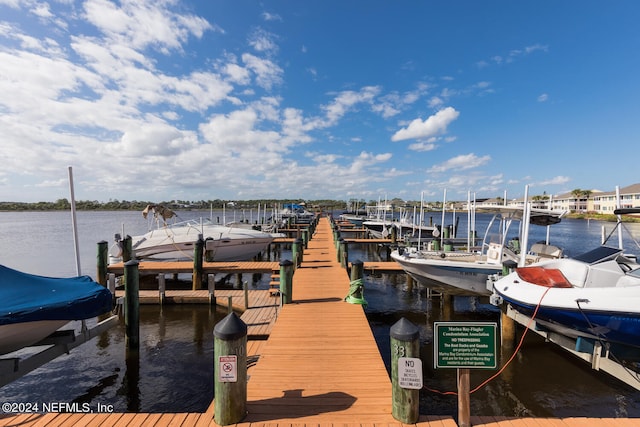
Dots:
pixel 27 297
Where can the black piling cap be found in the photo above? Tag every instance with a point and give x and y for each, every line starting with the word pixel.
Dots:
pixel 404 330
pixel 357 262
pixel 286 262
pixel 230 328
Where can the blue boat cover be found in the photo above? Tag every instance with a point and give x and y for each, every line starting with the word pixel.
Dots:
pixel 25 297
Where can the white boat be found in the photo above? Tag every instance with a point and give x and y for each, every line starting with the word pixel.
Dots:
pixel 34 306
pixel 174 242
pixel 295 212
pixel 595 295
pixel 444 269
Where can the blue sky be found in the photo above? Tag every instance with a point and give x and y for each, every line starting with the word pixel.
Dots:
pixel 161 100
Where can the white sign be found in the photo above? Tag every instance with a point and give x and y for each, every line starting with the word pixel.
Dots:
pixel 410 372
pixel 228 369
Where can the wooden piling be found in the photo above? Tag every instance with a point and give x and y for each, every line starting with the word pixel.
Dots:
pixel 464 399
pixel 211 286
pixel 286 281
pixel 507 328
pixel 127 248
pixel 230 370
pixel 197 263
pixel 132 306
pixel 162 287
pixel 102 262
pixel 405 343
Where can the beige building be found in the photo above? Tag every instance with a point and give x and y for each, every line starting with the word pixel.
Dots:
pixel 594 201
pixel 599 201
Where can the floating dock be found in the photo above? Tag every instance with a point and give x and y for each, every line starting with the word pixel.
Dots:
pixel 319 367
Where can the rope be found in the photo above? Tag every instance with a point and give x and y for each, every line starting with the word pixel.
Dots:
pixel 355 295
pixel 515 352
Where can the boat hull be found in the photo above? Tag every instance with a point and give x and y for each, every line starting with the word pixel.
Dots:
pixel 15 336
pixel 451 277
pixel 606 313
pixel 177 243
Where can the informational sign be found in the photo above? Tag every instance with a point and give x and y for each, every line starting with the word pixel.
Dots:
pixel 228 369
pixel 469 345
pixel 410 372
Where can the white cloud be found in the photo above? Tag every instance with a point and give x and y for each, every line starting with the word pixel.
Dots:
pixel 268 73
pixel 422 146
pixel 557 180
pixel 461 162
pixel 271 17
pixel 144 24
pixel 543 97
pixel 346 101
pixel 434 125
pixel 263 41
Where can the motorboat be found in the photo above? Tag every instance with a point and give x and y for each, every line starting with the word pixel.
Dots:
pixel 439 266
pixel 595 295
pixel 297 213
pixel 176 241
pixel 34 306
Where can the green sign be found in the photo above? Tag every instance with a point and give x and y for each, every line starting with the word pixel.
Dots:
pixel 465 345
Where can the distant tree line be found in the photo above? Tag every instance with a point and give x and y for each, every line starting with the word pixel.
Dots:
pixel 133 205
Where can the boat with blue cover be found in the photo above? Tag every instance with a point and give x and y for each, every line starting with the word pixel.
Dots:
pixel 33 307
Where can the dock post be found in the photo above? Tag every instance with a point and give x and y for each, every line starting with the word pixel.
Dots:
pixel 339 247
pixel 286 281
pixel 132 301
pixel 197 264
pixel 245 287
pixel 405 348
pixel 305 237
pixel 103 255
pixel 211 286
pixel 127 250
pixel 295 247
pixel 356 287
pixel 162 288
pixel 298 251
pixel 507 328
pixel 357 270
pixel 464 404
pixel 230 370
pixel 111 284
pixel 344 253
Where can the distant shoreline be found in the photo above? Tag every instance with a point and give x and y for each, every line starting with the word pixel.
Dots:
pixel 575 215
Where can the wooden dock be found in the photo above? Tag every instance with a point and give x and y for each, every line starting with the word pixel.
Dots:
pixel 168 267
pixel 319 367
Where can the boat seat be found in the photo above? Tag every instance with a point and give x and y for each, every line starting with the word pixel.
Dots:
pixel 543 250
pixel 604 274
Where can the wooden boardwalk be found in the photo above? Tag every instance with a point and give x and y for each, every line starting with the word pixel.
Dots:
pixel 160 267
pixel 320 367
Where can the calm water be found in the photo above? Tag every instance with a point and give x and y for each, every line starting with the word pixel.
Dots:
pixel 174 370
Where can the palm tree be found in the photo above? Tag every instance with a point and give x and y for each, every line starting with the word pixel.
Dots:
pixel 581 195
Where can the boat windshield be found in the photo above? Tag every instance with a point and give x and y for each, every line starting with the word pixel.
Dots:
pixel 602 253
pixel 634 273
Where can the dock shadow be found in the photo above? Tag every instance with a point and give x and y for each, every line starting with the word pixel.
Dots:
pixel 293 405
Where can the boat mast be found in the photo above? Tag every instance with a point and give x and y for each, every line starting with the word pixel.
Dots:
pixel 619 217
pixel 444 203
pixel 74 223
pixel 525 227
